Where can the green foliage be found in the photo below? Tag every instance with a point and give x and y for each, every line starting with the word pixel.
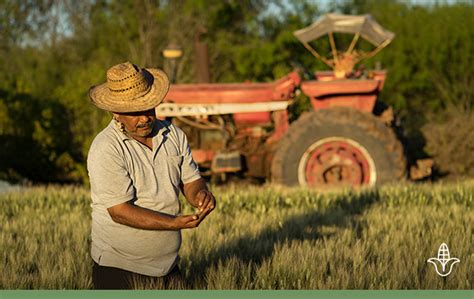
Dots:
pixel 52 52
pixel 431 60
pixel 431 72
pixel 34 137
pixel 450 141
pixel 260 238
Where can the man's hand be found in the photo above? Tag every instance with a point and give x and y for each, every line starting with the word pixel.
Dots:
pixel 198 196
pixel 195 192
pixel 190 221
pixel 191 191
pixel 206 201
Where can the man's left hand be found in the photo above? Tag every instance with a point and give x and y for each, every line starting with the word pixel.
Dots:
pixel 206 201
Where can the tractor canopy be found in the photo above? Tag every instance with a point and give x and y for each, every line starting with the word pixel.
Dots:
pixel 343 61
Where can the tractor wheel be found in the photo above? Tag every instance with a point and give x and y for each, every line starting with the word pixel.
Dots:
pixel 338 147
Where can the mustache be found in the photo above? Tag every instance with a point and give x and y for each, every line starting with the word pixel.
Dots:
pixel 145 125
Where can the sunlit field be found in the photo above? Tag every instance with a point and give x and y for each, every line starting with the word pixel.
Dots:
pixel 266 237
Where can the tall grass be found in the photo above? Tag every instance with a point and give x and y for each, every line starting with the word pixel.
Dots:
pixel 266 237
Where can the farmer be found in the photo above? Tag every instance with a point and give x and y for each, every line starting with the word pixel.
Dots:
pixel 137 166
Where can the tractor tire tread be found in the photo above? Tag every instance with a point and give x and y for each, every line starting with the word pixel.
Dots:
pixel 343 116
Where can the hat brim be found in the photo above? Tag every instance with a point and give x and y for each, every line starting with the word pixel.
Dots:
pixel 101 97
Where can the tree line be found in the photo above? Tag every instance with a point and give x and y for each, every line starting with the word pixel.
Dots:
pixel 52 51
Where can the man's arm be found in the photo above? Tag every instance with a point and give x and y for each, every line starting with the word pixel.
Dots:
pixel 196 194
pixel 195 190
pixel 138 217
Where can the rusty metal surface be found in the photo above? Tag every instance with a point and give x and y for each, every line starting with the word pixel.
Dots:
pixel 250 142
pixel 360 102
pixel 252 118
pixel 379 75
pixel 281 89
pixel 226 162
pixel 281 124
pixel 257 165
pixel 318 89
pixel 335 163
pixel 202 156
pixel 328 91
pixel 197 109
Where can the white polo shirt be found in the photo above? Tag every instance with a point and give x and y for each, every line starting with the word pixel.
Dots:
pixel 122 169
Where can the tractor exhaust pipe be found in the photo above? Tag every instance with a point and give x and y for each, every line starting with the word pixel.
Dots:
pixel 202 57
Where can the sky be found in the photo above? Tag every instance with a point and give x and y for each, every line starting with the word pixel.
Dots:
pixel 325 5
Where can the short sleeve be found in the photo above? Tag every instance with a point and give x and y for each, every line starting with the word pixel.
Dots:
pixel 110 181
pixel 189 168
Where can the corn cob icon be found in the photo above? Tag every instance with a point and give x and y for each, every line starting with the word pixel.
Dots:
pixel 444 259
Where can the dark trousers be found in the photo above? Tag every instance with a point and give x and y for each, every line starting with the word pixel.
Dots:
pixel 110 278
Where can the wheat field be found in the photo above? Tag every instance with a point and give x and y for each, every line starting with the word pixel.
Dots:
pixel 261 237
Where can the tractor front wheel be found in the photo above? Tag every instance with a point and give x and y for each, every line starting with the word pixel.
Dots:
pixel 338 147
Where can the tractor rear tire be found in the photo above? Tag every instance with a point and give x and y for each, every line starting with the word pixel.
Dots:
pixel 338 147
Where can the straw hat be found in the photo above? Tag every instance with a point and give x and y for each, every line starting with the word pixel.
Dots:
pixel 130 89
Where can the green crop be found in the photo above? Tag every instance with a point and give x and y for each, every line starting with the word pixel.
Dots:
pixel 266 237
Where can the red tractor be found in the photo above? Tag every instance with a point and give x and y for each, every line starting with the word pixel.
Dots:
pixel 244 127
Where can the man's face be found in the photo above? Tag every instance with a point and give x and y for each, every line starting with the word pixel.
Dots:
pixel 137 124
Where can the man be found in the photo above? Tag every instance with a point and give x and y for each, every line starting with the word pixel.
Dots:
pixel 137 166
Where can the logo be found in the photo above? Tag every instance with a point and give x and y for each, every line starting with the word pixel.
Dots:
pixel 444 259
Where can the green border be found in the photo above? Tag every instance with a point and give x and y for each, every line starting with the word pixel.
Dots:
pixel 237 294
